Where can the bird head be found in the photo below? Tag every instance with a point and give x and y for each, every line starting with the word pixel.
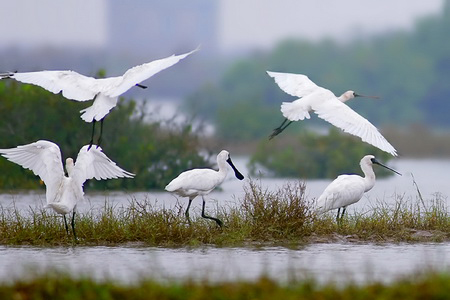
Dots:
pixel 370 159
pixel 351 94
pixel 225 156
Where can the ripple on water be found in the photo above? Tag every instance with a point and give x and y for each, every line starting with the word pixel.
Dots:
pixel 338 262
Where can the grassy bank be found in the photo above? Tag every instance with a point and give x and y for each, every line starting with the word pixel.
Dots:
pixel 282 217
pixel 57 286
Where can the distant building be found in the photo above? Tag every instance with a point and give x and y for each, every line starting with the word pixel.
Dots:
pixel 162 26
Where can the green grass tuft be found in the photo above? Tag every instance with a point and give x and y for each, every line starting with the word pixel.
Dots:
pixel 281 217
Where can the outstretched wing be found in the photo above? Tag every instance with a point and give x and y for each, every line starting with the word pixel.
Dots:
pixel 297 85
pixel 73 86
pixel 142 72
pixel 93 163
pixel 342 116
pixel 41 157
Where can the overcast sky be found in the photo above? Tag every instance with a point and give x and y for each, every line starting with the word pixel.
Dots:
pixel 242 24
pixel 260 23
pixel 53 22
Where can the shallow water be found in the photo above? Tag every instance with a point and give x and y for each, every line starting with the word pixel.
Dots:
pixel 335 262
pixel 340 262
pixel 431 176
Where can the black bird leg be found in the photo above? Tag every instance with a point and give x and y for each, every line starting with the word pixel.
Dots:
pixel 187 211
pixel 141 86
pixel 65 223
pixel 92 135
pixel 339 220
pixel 343 212
pixel 73 226
pixel 280 129
pixel 101 133
pixel 220 223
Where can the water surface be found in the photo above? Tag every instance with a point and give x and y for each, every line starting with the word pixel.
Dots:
pixel 340 262
pixel 337 262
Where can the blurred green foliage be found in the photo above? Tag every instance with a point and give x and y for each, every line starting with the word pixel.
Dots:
pixel 310 155
pixel 155 153
pixel 408 70
pixel 55 284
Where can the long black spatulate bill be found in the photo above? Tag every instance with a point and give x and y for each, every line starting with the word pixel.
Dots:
pixel 236 172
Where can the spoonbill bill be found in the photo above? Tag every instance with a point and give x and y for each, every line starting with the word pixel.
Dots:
pixel 327 106
pixel 196 182
pixel 64 192
pixel 104 91
pixel 348 189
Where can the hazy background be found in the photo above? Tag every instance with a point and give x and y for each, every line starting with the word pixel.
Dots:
pixel 146 27
pixel 114 35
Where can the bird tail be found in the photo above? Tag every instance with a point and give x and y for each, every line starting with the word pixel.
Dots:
pixel 59 208
pixel 294 111
pixel 170 187
pixel 99 109
pixel 88 114
pixel 5 75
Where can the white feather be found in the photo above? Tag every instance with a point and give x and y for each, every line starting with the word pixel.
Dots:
pixel 78 87
pixel 348 189
pixel 196 182
pixel 328 107
pixel 64 192
pixel 345 118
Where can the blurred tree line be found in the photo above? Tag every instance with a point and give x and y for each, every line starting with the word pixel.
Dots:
pixel 410 71
pixel 310 156
pixel 155 152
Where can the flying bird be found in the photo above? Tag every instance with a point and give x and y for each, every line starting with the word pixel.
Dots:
pixel 64 192
pixel 104 91
pixel 348 189
pixel 327 106
pixel 197 182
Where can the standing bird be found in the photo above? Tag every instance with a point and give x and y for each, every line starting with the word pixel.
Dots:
pixel 201 182
pixel 349 189
pixel 327 106
pixel 64 192
pixel 104 91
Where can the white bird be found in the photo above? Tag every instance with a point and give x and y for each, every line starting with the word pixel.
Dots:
pixel 327 106
pixel 104 91
pixel 202 181
pixel 64 192
pixel 349 189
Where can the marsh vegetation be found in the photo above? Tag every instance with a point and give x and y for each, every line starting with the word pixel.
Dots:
pixel 280 217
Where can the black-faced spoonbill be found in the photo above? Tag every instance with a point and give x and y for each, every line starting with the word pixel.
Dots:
pixel 327 106
pixel 104 91
pixel 201 182
pixel 349 189
pixel 64 192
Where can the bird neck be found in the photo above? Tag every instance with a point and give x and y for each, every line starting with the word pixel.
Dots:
pixel 223 167
pixel 369 177
pixel 69 168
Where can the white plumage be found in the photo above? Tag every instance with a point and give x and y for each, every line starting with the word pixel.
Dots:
pixel 64 192
pixel 201 182
pixel 104 91
pixel 328 107
pixel 348 189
